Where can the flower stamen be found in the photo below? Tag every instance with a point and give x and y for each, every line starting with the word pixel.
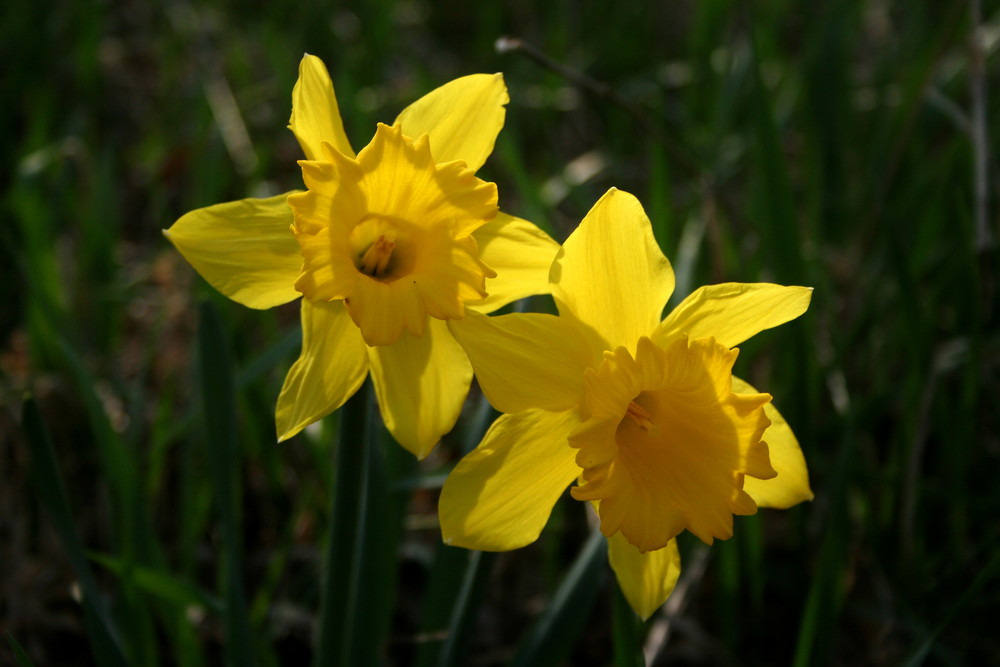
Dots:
pixel 640 416
pixel 375 261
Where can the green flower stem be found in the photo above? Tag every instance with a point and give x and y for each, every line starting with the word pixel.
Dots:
pixel 218 395
pixel 556 630
pixel 458 578
pixel 628 633
pixel 463 616
pixel 338 643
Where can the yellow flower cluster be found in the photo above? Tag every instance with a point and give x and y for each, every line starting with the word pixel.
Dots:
pixel 399 252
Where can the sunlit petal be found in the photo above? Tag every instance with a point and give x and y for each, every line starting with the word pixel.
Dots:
pixel 520 253
pixel 331 367
pixel 525 360
pixel 499 496
pixel 328 271
pixel 402 176
pixel 610 273
pixel 383 311
pixel 791 485
pixel 646 579
pixel 462 117
pixel 245 249
pixel 315 114
pixel 733 312
pixel 421 383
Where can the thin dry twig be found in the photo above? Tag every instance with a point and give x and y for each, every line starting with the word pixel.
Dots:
pixel 980 139
pixel 652 127
pixel 947 358
pixel 659 631
pixel 679 155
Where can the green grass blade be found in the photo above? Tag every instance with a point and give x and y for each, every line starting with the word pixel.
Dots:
pixel 269 358
pixel 470 595
pixel 825 597
pixel 728 599
pixel 533 208
pixel 22 658
pixel 386 506
pixel 555 632
pixel 989 572
pixel 338 642
pixel 627 633
pixel 251 372
pixel 772 201
pixel 47 482
pixel 218 395
pixel 134 538
pixel 443 583
pixel 660 198
pixel 163 585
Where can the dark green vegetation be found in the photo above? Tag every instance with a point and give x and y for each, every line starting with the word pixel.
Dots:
pixel 829 143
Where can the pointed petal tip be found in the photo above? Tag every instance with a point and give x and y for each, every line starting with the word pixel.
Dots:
pixel 463 118
pixel 647 579
pixel 287 433
pixel 423 453
pixel 616 235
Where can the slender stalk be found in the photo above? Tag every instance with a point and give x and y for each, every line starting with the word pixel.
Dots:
pixel 628 633
pixel 557 629
pixel 980 138
pixel 218 394
pixel 462 617
pixel 337 643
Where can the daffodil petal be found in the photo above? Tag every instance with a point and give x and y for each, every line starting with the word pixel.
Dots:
pixel 521 255
pixel 646 579
pixel 500 495
pixel 245 249
pixel 330 369
pixel 463 118
pixel 525 360
pixel 315 114
pixel 421 383
pixel 733 312
pixel 791 486
pixel 611 275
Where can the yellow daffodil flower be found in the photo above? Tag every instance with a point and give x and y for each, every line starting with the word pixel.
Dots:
pixel 644 414
pixel 384 246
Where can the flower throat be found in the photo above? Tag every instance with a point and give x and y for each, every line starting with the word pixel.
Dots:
pixel 375 260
